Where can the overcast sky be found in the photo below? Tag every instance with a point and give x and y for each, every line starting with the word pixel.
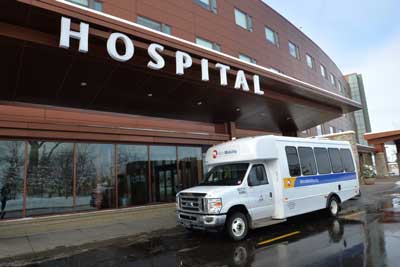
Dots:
pixel 360 36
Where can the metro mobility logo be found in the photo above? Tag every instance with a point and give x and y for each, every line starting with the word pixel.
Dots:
pixel 216 154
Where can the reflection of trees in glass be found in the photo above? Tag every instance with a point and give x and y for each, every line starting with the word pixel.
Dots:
pixel 132 175
pixel 11 168
pixel 86 169
pixel 12 155
pixel 50 167
pixel 95 176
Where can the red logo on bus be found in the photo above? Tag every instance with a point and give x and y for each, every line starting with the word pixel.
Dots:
pixel 215 154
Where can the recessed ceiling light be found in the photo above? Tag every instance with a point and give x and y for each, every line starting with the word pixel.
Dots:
pixel 83 84
pixel 199 103
pixel 237 109
pixel 149 94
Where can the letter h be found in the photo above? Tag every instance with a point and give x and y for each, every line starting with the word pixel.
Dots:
pixel 67 34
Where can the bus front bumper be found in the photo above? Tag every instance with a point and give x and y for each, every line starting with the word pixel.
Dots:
pixel 200 221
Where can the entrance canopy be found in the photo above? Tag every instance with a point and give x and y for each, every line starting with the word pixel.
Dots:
pixel 34 69
pixel 383 137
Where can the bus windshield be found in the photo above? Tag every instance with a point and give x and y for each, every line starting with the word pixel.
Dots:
pixel 229 174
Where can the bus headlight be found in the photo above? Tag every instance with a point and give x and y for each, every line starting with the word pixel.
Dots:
pixel 214 205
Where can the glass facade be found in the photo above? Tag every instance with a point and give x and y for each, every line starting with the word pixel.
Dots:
pixel 163 162
pixel 190 166
pixel 48 177
pixel 363 124
pixel 133 175
pixel 12 161
pixel 95 177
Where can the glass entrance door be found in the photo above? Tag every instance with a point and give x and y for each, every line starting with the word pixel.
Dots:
pixel 164 173
pixel 132 175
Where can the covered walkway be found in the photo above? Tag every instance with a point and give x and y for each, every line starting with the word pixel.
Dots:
pixel 378 140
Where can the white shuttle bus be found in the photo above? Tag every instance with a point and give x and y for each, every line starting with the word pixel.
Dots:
pixel 259 181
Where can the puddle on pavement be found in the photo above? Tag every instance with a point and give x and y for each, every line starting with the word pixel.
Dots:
pixel 391 209
pixel 396 202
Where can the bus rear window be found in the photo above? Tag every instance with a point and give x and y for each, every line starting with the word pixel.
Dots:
pixel 347 160
pixel 293 161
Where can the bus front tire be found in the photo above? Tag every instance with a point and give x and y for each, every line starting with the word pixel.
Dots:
pixel 333 206
pixel 237 226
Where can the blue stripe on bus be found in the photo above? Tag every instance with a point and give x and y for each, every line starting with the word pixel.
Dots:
pixel 324 179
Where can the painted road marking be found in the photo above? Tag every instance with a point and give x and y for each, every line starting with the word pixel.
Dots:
pixel 278 238
pixel 353 215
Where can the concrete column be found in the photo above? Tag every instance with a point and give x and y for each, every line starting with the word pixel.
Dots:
pixel 380 160
pixel 381 166
pixel 397 142
pixel 398 162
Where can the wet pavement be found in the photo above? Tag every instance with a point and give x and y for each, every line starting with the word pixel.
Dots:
pixel 370 238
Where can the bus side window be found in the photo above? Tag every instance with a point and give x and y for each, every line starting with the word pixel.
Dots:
pixel 347 160
pixel 323 162
pixel 257 176
pixel 336 161
pixel 307 161
pixel 293 161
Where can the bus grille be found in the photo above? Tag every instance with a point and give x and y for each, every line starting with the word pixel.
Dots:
pixel 192 202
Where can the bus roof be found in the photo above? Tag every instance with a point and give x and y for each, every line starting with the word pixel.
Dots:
pixel 258 148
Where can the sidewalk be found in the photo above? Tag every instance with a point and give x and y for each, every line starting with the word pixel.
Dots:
pixel 38 235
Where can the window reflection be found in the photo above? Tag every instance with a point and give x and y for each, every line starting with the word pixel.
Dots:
pixel 132 175
pixel 49 178
pixel 95 177
pixel 164 173
pixel 12 158
pixel 190 166
pixel 50 175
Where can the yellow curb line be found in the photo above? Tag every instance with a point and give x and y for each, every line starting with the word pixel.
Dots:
pixel 278 238
pixel 352 214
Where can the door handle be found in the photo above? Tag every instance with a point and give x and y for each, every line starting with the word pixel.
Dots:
pixel 270 194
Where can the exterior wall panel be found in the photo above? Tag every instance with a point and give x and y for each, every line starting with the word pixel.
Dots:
pixel 189 20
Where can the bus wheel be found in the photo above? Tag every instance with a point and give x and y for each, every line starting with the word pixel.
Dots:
pixel 333 206
pixel 237 226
